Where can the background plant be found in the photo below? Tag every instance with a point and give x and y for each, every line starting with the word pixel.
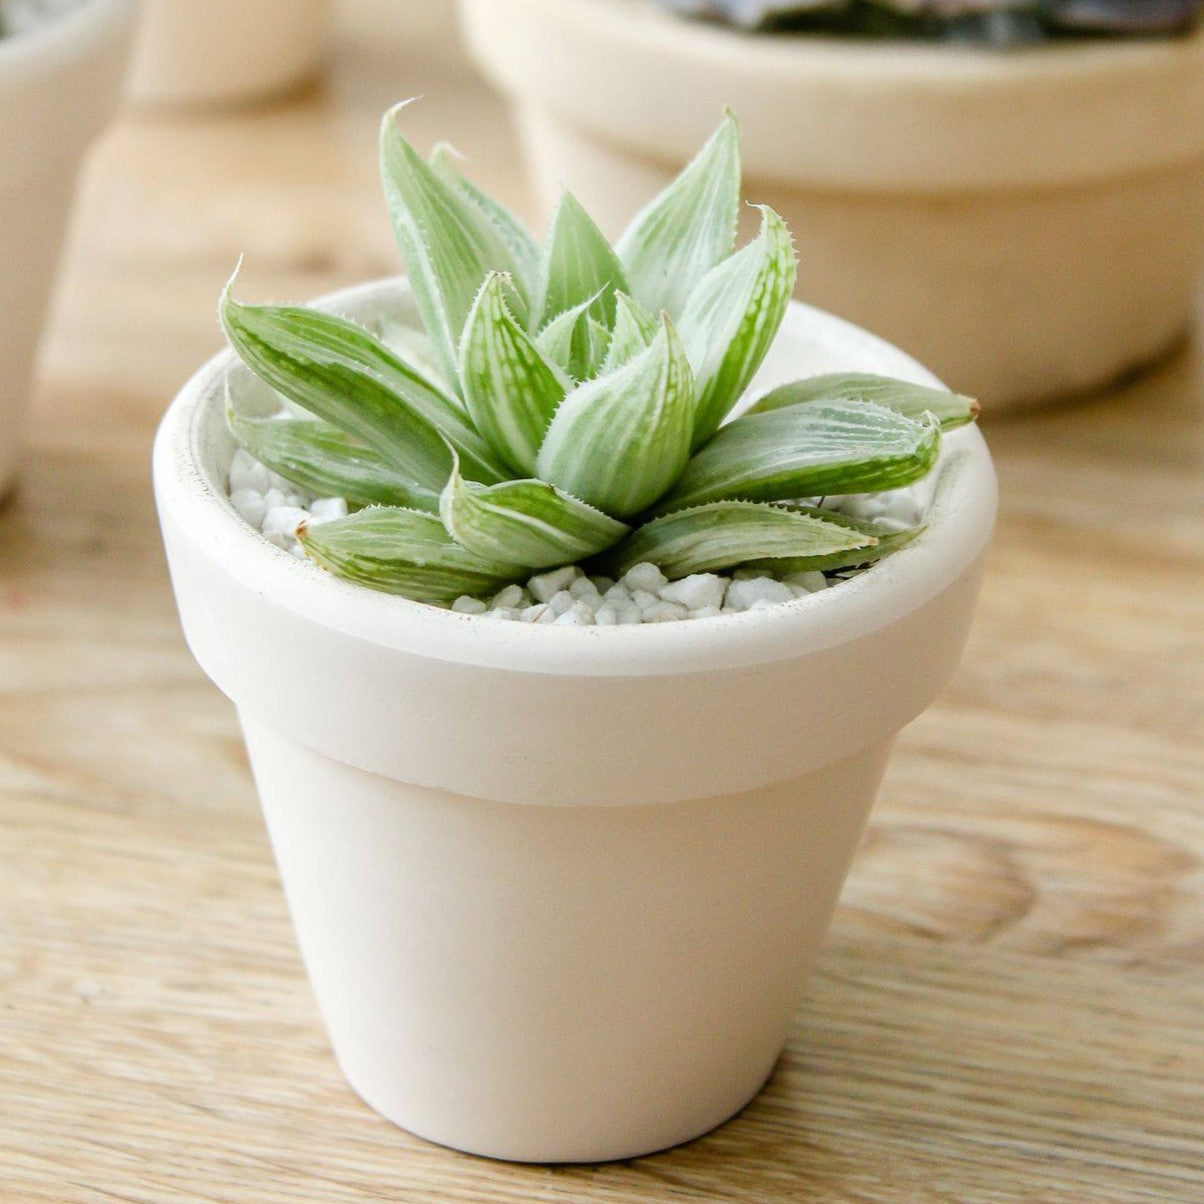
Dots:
pixel 998 22
pixel 568 401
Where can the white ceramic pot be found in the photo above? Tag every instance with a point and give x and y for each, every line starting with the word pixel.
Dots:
pixel 1029 224
pixel 205 52
pixel 59 87
pixel 557 890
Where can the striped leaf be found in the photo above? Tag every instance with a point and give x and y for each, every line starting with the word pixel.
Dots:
pixel 732 317
pixel 526 521
pixel 689 228
pixel 510 387
pixel 337 371
pixel 803 451
pixel 403 552
pixel 913 401
pixel 327 461
pixel 888 542
pixel 722 535
pixel 516 236
pixel 448 243
pixel 618 442
pixel 578 265
pixel 634 330
pixel 575 341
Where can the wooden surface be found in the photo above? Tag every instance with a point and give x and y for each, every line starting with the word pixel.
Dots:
pixel 1009 1006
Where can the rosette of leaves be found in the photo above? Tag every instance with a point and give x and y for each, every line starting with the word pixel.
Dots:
pixel 997 22
pixel 568 402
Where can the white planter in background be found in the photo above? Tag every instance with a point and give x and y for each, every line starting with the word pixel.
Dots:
pixel 1029 224
pixel 557 890
pixel 201 52
pixel 59 87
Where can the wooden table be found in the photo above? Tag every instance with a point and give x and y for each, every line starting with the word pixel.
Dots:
pixel 1009 1006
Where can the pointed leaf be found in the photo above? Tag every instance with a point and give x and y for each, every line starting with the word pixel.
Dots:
pixel 634 330
pixel 620 441
pixel 337 371
pixel 888 542
pixel 402 552
pixel 804 451
pixel 527 521
pixel 732 318
pixel 511 389
pixel 913 401
pixel 577 265
pixel 517 237
pixel 449 245
pixel 721 535
pixel 574 342
pixel 690 227
pixel 325 460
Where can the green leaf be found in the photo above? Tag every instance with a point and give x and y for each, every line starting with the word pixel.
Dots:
pixel 403 552
pixel 721 535
pixel 337 371
pixel 574 341
pixel 517 237
pixel 634 330
pixel 913 401
pixel 802 451
pixel 448 243
pixel 510 387
pixel 577 265
pixel 888 542
pixel 732 318
pixel 620 441
pixel 322 458
pixel 526 521
pixel 690 227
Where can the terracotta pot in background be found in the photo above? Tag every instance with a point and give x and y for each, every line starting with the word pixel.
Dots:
pixel 59 87
pixel 557 890
pixel 205 52
pixel 1027 224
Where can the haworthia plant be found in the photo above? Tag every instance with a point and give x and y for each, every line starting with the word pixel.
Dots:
pixel 999 23
pixel 571 399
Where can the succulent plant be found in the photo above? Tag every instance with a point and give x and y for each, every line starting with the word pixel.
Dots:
pixel 569 402
pixel 1002 22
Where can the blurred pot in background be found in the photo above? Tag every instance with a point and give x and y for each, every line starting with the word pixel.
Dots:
pixel 61 70
pixel 202 52
pixel 1029 223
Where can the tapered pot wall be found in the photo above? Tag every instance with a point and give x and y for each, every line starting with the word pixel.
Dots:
pixel 59 86
pixel 557 896
pixel 1028 225
pixel 550 984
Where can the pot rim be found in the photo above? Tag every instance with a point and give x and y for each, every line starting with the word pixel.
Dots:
pixel 840 113
pixel 61 40
pixel 959 523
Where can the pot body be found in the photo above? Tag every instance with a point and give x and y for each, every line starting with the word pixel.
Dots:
pixel 557 897
pixel 226 51
pixel 1029 225
pixel 59 86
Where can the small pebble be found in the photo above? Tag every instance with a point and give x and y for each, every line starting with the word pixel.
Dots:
pixel 644 600
pixel 327 508
pixel 665 612
pixel 250 504
pixel 584 589
pixel 705 612
pixel 607 615
pixel 509 598
pixel 695 592
pixel 561 602
pixel 645 577
pixel 533 614
pixel 742 594
pixel 467 605
pixel 577 615
pixel 246 473
pixel 283 519
pixel 545 586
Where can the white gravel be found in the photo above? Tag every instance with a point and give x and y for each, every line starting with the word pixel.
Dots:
pixel 567 597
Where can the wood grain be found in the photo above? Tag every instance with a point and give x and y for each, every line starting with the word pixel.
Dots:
pixel 1009 1005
